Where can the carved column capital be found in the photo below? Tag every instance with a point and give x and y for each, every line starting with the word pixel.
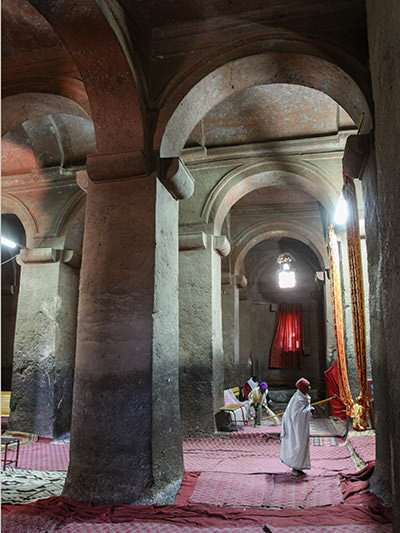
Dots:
pixel 193 241
pixel 222 245
pixel 240 281
pixel 199 240
pixel 117 166
pixel 48 255
pixel 176 177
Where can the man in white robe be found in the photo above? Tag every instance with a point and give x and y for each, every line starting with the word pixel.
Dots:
pixel 295 434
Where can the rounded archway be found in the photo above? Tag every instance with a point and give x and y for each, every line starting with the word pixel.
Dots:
pixel 303 303
pixel 257 70
pixel 13 231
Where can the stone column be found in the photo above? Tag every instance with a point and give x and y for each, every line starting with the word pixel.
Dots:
pixel 230 328
pixel 44 349
pixel 348 316
pixel 125 434
pixel 247 367
pixel 201 351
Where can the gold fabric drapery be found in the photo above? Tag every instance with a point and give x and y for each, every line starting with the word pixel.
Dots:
pixel 336 292
pixel 358 410
pixel 357 299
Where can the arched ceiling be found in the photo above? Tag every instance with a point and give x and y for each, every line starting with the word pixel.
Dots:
pixel 273 112
pixel 262 271
pixel 33 57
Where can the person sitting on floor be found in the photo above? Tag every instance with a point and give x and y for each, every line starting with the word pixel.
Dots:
pixel 259 398
pixel 251 384
pixel 295 434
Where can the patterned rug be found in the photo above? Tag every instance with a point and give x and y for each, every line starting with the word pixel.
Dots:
pixel 255 456
pixel 263 490
pixel 63 514
pixel 326 427
pixel 43 456
pixel 324 441
pixel 343 528
pixel 20 486
pixel 25 438
pixel 34 524
pixel 363 445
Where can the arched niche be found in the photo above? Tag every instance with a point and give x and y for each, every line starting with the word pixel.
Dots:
pixel 12 229
pixel 256 255
pixel 256 175
pixel 261 232
pixel 22 107
pixel 13 206
pixel 260 69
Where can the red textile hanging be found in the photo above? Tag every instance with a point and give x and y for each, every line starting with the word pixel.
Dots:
pixel 337 407
pixel 287 346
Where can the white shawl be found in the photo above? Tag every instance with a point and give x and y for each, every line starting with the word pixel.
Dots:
pixel 295 434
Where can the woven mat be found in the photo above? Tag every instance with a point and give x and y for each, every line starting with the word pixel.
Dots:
pixel 324 441
pixel 343 528
pixel 326 427
pixel 34 524
pixel 255 456
pixel 25 438
pixel 364 446
pixel 263 490
pixel 20 486
pixel 43 456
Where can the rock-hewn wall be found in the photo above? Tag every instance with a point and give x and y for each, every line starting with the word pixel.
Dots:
pixel 383 20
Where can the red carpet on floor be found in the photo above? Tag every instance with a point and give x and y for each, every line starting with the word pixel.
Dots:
pixel 237 472
pixel 364 446
pixel 65 511
pixel 257 455
pixel 42 455
pixel 263 490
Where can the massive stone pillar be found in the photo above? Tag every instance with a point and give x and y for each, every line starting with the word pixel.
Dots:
pixel 201 351
pixel 44 348
pixel 230 328
pixel 125 434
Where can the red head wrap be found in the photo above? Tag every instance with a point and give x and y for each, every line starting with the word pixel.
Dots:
pixel 302 384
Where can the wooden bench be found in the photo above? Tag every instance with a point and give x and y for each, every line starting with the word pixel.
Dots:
pixel 5 403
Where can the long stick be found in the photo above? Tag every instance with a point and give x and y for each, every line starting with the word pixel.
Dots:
pixel 315 403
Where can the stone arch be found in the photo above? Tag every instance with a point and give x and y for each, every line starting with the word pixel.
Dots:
pixel 261 232
pixel 72 223
pixel 13 206
pixel 258 174
pixel 19 108
pixel 260 69
pixel 100 53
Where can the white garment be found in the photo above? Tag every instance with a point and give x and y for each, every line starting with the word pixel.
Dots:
pixel 295 434
pixel 253 384
pixel 256 396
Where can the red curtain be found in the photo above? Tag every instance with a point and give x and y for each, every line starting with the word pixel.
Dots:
pixel 338 409
pixel 287 346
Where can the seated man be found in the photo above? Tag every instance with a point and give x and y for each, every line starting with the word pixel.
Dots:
pixel 258 399
pixel 251 384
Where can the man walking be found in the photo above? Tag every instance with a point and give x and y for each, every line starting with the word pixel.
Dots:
pixel 295 434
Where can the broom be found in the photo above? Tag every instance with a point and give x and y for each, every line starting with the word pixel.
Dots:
pixel 315 403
